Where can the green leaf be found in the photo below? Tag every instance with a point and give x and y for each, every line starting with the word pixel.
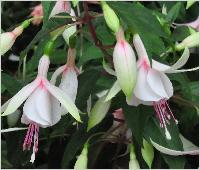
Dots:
pixel 90 52
pixel 11 84
pixel 87 81
pixel 47 8
pixel 147 153
pixel 173 12
pixel 136 118
pixel 153 131
pixel 75 143
pixel 141 20
pixel 3 88
pixel 98 112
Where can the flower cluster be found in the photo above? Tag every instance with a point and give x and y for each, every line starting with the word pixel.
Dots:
pixel 141 80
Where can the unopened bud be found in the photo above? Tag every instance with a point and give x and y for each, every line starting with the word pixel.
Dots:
pixel 189 42
pixel 125 64
pixel 7 39
pixel 133 163
pixel 110 17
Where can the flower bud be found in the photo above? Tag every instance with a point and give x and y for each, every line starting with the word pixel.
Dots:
pixel 189 42
pixel 82 160
pixel 125 64
pixel 7 39
pixel 110 17
pixel 133 163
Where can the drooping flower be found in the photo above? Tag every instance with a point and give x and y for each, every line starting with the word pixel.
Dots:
pixel 37 12
pixel 69 81
pixel 133 163
pixel 153 87
pixel 125 64
pixel 193 24
pixel 37 110
pixel 60 6
pixel 7 39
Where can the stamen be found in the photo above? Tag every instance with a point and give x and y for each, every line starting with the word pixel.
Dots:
pixel 164 114
pixel 33 129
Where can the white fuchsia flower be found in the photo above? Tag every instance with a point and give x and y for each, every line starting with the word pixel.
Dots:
pixel 69 81
pixel 153 87
pixel 38 110
pixel 7 39
pixel 60 7
pixel 125 64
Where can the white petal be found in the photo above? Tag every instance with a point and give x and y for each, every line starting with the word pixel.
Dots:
pixel 37 108
pixel 159 66
pixel 134 101
pixel 155 82
pixel 189 146
pixel 64 100
pixel 113 91
pixel 184 70
pixel 20 97
pixel 56 74
pixel 69 85
pixel 192 151
pixel 139 46
pixel 142 90
pixel 182 61
pixel 167 85
pixel 4 106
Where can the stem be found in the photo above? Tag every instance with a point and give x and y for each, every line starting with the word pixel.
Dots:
pixel 87 18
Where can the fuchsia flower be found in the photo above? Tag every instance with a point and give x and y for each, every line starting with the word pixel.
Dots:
pixel 60 6
pixel 7 39
pixel 38 110
pixel 153 87
pixel 69 81
pixel 37 12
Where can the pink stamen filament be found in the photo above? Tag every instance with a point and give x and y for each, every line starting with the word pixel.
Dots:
pixel 164 114
pixel 33 130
